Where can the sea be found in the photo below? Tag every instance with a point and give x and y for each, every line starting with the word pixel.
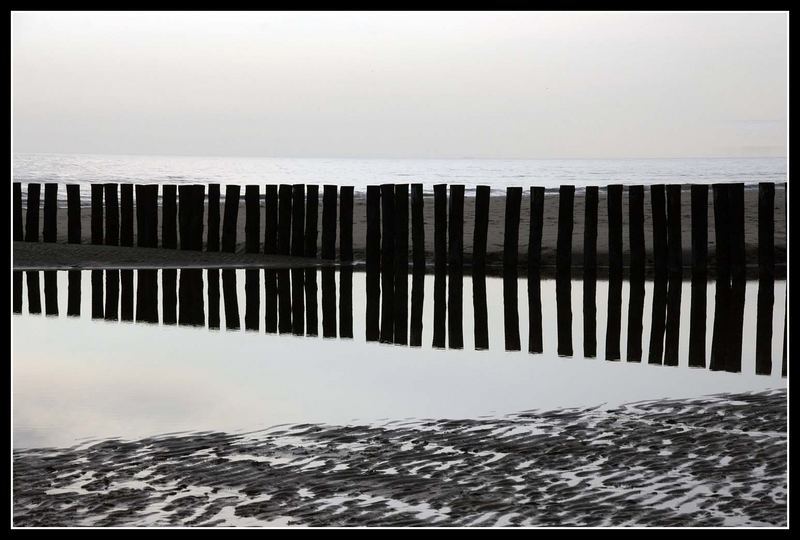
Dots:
pixel 86 169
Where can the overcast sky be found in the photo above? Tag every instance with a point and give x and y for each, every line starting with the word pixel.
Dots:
pixel 417 85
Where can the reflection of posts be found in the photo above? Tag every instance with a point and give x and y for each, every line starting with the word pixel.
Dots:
pixel 298 307
pixel 328 303
pixel 482 197
pixel 564 314
pixel 590 273
pixel 456 268
pixel 51 293
pixel 16 304
pixel 126 296
pixel 271 301
pixel 35 301
pixel 147 296
pixel 74 293
pixel 766 277
pixel 637 265
pixel 252 297
pixel 169 295
pixel 373 263
pixel 312 322
pixel 284 302
pixel 697 321
pixel 112 295
pixel 212 277
pixel 387 263
pixel 192 309
pixel 97 294
pixel 230 299
pixel 440 263
pixel 614 322
pixel 510 259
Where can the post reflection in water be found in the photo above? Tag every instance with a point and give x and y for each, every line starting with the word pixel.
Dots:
pixel 16 303
pixel 312 322
pixel 298 307
pixel 190 303
pixel 345 300
pixel 169 299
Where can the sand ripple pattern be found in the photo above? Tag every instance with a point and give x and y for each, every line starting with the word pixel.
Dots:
pixel 716 461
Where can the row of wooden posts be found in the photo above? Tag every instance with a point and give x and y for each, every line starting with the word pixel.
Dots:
pixel 291 222
pixel 290 303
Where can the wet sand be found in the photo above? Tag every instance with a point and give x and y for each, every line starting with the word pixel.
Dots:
pixel 714 461
pixel 549 232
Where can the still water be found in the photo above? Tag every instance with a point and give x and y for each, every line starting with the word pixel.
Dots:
pixel 99 354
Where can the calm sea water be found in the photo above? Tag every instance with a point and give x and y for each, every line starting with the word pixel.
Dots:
pixel 499 174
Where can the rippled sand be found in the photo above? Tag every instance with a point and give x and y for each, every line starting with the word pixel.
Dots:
pixel 714 461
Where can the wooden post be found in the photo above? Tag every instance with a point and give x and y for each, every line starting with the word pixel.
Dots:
pixel 675 270
pixel 212 238
pixel 401 264
pixel 480 233
pixel 312 214
pixel 737 253
pixel 126 219
pixel 590 272
pixel 719 347
pixel 535 344
pixel 417 230
pixel 97 213
pixel 229 220
pixel 456 267
pixel 766 277
pixel 298 220
pixel 73 214
pixel 373 256
pixel 112 295
pixel 32 213
pixel 271 219
pixel 329 222
pixel 566 198
pixel 112 215
pixel 697 322
pixel 440 263
pixel 637 265
pixel 657 200
pixel 510 258
pixel 147 222
pixel 50 221
pixel 387 262
pixel 17 210
pixel 196 229
pixel 284 219
pixel 252 225
pixel 185 210
pixel 346 223
pixel 614 321
pixel 169 216
pixel 169 294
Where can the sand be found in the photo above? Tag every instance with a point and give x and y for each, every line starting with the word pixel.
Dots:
pixel 550 229
pixel 713 461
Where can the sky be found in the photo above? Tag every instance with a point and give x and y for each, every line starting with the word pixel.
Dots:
pixel 524 85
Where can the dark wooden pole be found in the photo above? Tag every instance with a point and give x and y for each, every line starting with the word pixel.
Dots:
pixel 373 256
pixel 329 222
pixel 126 220
pixel 721 330
pixel 32 213
pixel 697 322
pixel 590 273
pixel 614 322
pixel 456 267
pixel 659 213
pixel 271 219
pixel 97 213
pixel 418 258
pixel 387 262
pixel 298 220
pixel 312 215
pixel 675 270
pixel 196 226
pixel 185 213
pixel 440 264
pixel 50 221
pixel 169 216
pixel 479 236
pixel 212 238
pixel 284 219
pixel 147 221
pixel 566 198
pixel 229 221
pixel 737 253
pixel 766 277
pixel 112 215
pixel 73 214
pixel 510 258
pixel 252 224
pixel 535 344
pixel 637 265
pixel 401 264
pixel 17 210
pixel 346 223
